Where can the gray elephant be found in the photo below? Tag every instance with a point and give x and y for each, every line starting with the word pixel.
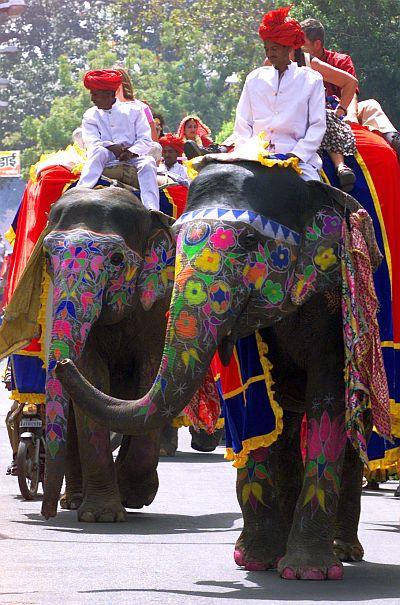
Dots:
pixel 111 264
pixel 243 264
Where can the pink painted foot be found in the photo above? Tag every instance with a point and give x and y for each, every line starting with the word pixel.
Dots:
pixel 288 574
pixel 238 555
pixel 312 574
pixel 335 572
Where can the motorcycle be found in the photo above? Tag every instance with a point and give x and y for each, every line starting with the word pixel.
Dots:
pixel 30 459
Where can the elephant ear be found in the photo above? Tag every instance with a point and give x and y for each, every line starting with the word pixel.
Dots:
pixel 318 265
pixel 321 193
pixel 157 275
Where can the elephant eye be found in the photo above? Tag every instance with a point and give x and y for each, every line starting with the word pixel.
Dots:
pixel 116 259
pixel 249 241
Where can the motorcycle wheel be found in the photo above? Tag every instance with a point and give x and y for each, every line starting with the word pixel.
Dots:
pixel 28 469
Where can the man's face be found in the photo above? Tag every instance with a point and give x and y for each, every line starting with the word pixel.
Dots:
pixel 276 53
pixel 170 156
pixel 312 47
pixel 103 99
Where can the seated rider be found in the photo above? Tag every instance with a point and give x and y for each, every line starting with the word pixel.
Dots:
pixel 339 139
pixel 368 113
pixel 285 101
pixel 116 132
pixel 172 147
pixel 196 137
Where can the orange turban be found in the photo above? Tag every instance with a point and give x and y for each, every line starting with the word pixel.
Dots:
pixel 278 27
pixel 102 79
pixel 171 140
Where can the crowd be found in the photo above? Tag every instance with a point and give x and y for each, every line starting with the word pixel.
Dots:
pixel 303 99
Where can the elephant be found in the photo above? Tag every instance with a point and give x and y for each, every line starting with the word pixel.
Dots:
pixel 111 262
pixel 243 264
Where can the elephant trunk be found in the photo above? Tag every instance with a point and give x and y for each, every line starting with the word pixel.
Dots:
pixel 73 314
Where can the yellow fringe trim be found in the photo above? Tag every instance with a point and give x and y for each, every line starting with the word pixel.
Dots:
pixel 253 443
pixel 10 236
pixel 391 458
pixel 46 156
pixel 27 397
pixel 192 172
pixel 181 421
pixel 42 313
pixel 265 160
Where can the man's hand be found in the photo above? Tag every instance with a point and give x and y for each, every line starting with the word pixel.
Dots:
pixel 116 150
pixel 127 155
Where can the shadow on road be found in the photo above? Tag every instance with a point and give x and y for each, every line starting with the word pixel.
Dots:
pixel 197 457
pixel 138 524
pixel 362 582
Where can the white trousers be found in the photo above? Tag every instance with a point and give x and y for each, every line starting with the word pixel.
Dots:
pixel 310 173
pixel 372 116
pixel 99 157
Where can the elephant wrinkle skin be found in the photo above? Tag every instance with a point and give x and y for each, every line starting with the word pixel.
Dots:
pixel 273 265
pixel 109 308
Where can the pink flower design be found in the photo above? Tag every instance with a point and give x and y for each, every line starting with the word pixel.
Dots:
pixel 327 438
pixel 314 440
pixel 223 239
pixel 337 440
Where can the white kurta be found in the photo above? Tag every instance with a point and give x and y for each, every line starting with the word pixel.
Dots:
pixel 177 172
pixel 123 124
pixel 290 110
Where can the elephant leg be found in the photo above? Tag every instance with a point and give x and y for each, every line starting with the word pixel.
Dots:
pixel 267 489
pixel 101 499
pixel 168 440
pixel 73 496
pixel 347 546
pixel 309 554
pixel 203 442
pixel 136 467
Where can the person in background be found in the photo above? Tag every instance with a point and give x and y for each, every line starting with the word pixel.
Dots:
pixel 196 137
pixel 125 93
pixel 159 123
pixel 368 113
pixel 116 132
pixel 173 148
pixel 284 101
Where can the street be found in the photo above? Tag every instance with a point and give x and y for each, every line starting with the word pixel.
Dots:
pixel 178 551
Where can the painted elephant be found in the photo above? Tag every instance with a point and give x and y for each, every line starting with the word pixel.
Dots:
pixel 243 264
pixel 111 263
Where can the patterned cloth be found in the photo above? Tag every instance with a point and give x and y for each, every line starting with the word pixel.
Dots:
pixel 365 378
pixel 339 137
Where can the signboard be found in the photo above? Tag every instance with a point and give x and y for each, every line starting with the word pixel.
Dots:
pixel 10 164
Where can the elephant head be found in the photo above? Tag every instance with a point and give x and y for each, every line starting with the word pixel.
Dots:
pixel 105 254
pixel 237 267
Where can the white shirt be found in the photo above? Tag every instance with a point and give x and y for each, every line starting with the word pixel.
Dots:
pixel 290 110
pixel 123 124
pixel 177 172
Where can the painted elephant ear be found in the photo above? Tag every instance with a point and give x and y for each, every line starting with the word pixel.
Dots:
pixel 157 276
pixel 318 265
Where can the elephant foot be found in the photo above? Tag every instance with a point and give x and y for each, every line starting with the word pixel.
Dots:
pixel 71 500
pixel 140 494
pixel 97 511
pixel 315 565
pixel 168 441
pixel 348 551
pixel 203 442
pixel 257 551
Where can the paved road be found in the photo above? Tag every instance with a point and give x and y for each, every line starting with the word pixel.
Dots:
pixel 177 552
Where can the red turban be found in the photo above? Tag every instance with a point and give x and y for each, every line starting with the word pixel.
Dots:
pixel 171 140
pixel 102 79
pixel 278 27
